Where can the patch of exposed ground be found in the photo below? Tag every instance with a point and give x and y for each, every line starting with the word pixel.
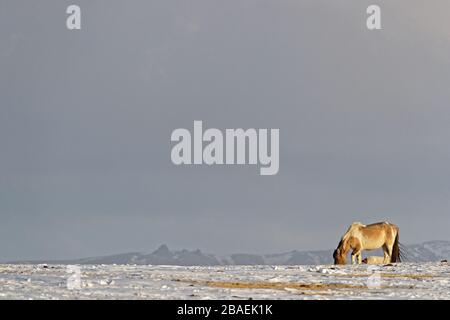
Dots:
pixel 275 285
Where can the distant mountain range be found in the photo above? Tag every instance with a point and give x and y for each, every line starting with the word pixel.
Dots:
pixel 427 251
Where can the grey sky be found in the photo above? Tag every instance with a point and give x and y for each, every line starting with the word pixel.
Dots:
pixel 86 118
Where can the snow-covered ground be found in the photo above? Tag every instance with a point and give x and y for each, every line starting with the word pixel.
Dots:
pixel 401 281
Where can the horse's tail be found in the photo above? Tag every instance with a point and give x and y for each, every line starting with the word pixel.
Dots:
pixel 396 254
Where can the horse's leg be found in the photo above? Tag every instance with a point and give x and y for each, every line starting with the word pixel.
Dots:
pixel 390 248
pixel 355 245
pixel 357 251
pixel 356 255
pixel 387 253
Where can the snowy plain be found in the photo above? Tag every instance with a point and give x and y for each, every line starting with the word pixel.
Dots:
pixel 397 281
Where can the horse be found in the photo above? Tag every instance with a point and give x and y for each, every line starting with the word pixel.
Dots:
pixel 369 237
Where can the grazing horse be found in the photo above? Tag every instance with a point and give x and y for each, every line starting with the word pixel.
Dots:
pixel 368 237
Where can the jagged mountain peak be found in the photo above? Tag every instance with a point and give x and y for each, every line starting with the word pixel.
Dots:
pixel 163 251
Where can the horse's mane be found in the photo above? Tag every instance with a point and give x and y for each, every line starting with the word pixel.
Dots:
pixel 347 234
pixel 341 243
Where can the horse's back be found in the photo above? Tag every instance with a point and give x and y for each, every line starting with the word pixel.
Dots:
pixel 377 234
pixel 385 225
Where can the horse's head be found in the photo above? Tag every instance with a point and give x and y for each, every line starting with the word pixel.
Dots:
pixel 339 256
